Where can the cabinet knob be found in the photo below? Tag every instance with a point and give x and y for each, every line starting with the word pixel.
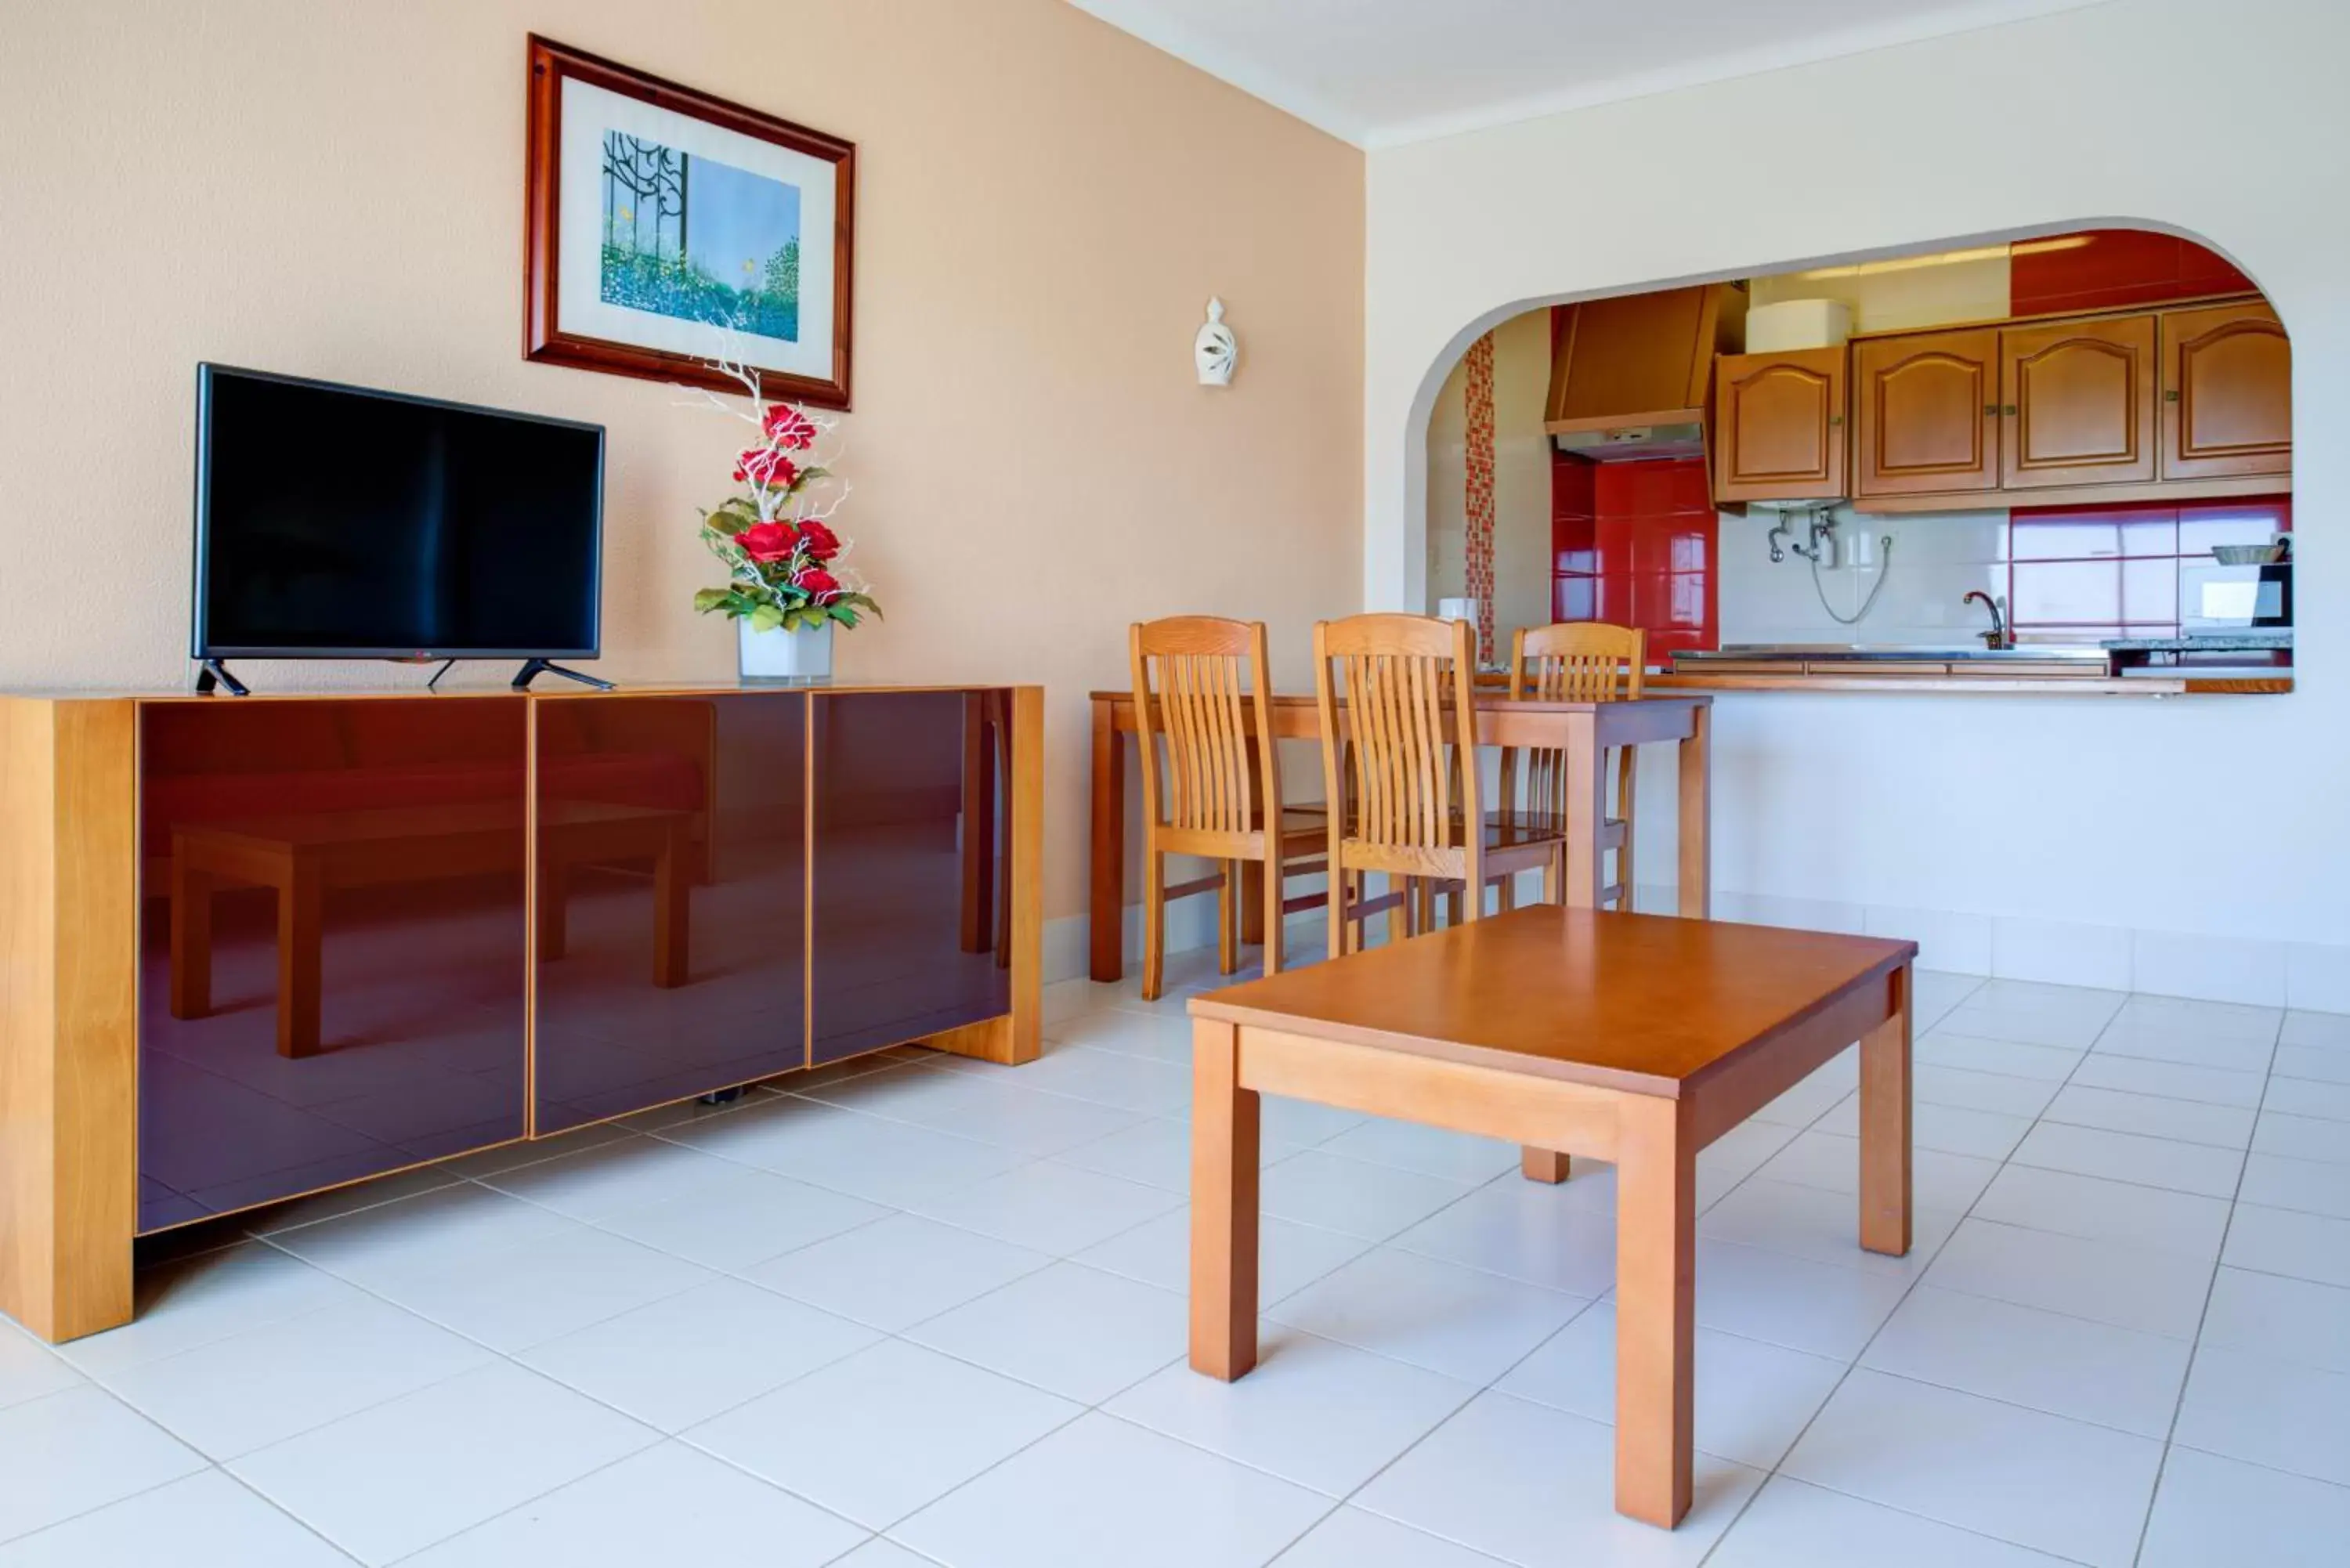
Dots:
pixel 2171 396
pixel 2009 411
pixel 1990 407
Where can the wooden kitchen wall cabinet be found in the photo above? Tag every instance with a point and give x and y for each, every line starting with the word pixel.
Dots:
pixel 1779 425
pixel 1925 413
pixel 2226 392
pixel 2078 399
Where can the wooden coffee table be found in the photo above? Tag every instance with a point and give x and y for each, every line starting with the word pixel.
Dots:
pixel 301 856
pixel 1637 1039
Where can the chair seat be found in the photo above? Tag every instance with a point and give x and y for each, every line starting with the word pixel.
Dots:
pixel 1506 829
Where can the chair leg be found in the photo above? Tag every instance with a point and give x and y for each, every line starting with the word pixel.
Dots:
pixel 1506 897
pixel 1228 918
pixel 1337 880
pixel 1271 886
pixel 1454 906
pixel 1154 924
pixel 1553 874
pixel 1625 790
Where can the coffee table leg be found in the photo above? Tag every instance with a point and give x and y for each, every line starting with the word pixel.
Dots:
pixel 1223 1205
pixel 1656 1306
pixel 301 941
pixel 191 940
pixel 672 911
pixel 1106 860
pixel 1544 1165
pixel 554 886
pixel 1885 1127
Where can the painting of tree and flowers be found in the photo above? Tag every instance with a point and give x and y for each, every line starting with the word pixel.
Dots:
pixel 699 240
pixel 668 231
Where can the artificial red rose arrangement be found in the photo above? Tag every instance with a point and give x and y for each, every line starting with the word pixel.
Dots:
pixel 782 560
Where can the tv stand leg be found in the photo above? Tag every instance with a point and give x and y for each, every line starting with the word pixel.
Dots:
pixel 213 673
pixel 534 668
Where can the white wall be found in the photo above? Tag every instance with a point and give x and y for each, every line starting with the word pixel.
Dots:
pixel 1934 561
pixel 1522 507
pixel 2036 826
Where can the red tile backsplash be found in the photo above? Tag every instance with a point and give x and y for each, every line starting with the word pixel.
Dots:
pixel 1634 542
pixel 1652 489
pixel 1573 481
pixel 2100 269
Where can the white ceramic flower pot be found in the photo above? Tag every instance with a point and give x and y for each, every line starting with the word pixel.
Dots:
pixel 784 657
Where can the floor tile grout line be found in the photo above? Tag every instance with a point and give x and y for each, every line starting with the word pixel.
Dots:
pixel 210 1467
pixel 2202 1317
pixel 1493 1384
pixel 1372 1244
pixel 660 1435
pixel 2052 1169
pixel 1915 1281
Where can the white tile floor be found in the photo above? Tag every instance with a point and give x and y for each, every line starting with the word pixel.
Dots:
pixel 925 1311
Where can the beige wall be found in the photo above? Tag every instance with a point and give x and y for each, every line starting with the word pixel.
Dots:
pixel 333 187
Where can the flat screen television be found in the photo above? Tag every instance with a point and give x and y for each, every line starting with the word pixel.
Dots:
pixel 339 522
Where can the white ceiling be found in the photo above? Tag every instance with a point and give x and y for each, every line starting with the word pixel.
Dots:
pixel 1377 72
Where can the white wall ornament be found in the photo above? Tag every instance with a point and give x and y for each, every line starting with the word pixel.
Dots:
pixel 1215 350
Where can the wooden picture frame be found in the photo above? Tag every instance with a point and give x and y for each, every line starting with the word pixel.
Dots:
pixel 659 309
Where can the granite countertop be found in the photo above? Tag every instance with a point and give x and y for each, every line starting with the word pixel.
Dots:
pixel 1865 653
pixel 2246 641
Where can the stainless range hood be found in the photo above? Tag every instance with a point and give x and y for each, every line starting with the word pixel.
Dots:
pixel 1612 442
pixel 1631 376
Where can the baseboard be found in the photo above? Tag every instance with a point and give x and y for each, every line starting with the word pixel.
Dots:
pixel 2200 966
pixel 2314 976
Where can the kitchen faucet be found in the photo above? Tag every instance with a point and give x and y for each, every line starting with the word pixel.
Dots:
pixel 1999 635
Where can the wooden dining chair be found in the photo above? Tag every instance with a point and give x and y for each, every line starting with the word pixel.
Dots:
pixel 1202 686
pixel 1575 661
pixel 1404 761
pixel 1403 764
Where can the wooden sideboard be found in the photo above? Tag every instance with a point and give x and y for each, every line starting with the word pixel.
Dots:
pixel 252 948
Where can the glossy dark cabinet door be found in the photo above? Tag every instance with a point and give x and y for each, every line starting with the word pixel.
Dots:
pixel 911 890
pixel 331 942
pixel 673 899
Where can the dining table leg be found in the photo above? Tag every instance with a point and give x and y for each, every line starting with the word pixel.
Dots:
pixel 1547 1166
pixel 1224 1127
pixel 1586 813
pixel 1106 865
pixel 1655 1308
pixel 1696 900
pixel 1884 1126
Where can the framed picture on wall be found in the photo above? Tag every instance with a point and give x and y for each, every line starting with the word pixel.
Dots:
pixel 665 228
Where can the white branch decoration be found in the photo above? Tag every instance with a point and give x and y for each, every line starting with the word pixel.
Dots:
pixel 811 582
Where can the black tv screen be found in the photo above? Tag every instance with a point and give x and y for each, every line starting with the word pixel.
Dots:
pixel 336 522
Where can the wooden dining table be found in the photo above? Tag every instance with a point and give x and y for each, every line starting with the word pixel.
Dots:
pixel 1585 731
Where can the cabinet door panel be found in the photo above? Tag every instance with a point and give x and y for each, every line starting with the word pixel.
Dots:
pixel 1927 413
pixel 2079 402
pixel 2226 392
pixel 912 884
pixel 332 964
pixel 671 930
pixel 1779 425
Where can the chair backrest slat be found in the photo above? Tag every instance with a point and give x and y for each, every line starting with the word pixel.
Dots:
pixel 1198 683
pixel 1568 661
pixel 1407 682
